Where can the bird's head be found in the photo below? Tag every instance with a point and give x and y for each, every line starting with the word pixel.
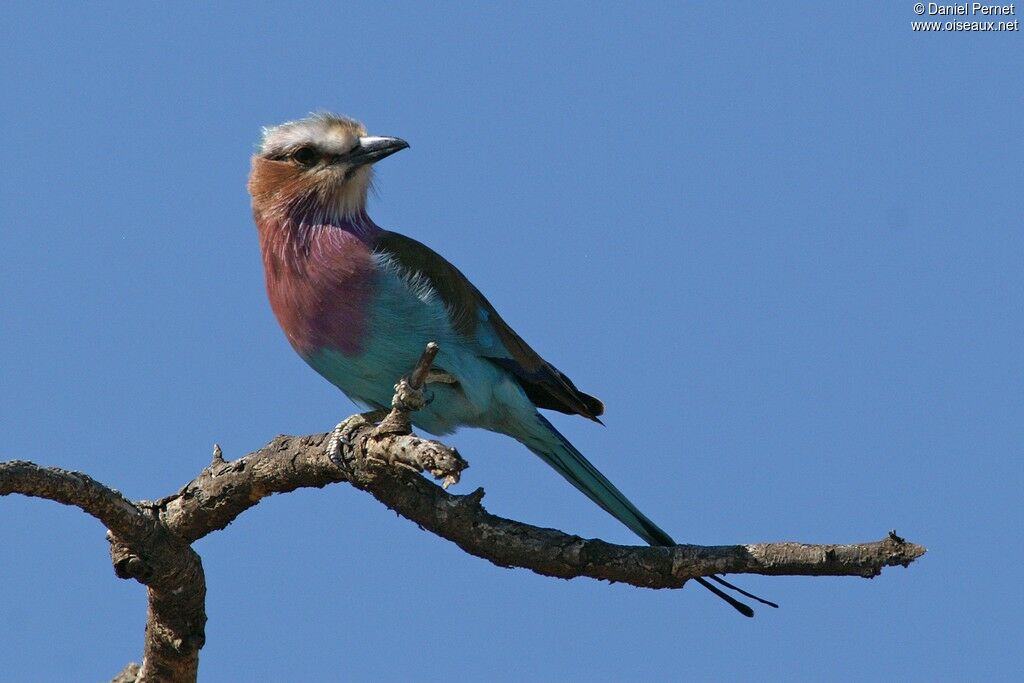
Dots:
pixel 317 168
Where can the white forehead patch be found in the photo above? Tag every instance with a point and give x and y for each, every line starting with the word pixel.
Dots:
pixel 327 132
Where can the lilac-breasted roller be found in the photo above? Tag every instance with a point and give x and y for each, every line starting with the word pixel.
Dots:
pixel 359 304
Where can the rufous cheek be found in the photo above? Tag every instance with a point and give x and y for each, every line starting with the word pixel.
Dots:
pixel 274 184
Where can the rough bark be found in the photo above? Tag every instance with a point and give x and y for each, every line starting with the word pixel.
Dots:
pixel 151 540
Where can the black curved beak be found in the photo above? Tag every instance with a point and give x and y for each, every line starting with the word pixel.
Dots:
pixel 372 149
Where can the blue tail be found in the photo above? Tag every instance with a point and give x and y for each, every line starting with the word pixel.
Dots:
pixel 556 451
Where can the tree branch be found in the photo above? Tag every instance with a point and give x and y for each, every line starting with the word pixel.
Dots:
pixel 218 495
pixel 151 540
pixel 115 511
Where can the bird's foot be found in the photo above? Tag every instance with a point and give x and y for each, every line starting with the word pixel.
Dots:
pixel 341 442
pixel 341 436
pixel 388 445
pixel 407 398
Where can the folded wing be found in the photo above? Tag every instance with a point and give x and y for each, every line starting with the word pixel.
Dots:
pixel 474 317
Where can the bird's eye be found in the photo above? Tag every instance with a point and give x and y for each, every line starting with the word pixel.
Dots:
pixel 307 156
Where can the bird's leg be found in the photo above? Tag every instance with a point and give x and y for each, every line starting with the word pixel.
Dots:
pixel 393 448
pixel 407 399
pixel 409 395
pixel 391 441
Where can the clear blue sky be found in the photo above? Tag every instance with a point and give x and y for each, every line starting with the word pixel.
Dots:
pixel 782 242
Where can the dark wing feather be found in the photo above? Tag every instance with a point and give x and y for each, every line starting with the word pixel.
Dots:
pixel 543 383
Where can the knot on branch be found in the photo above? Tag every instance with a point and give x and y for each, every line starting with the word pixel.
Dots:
pixel 132 567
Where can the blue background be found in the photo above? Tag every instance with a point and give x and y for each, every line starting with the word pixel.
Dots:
pixel 782 242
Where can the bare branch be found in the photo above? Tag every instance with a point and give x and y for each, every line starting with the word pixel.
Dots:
pixel 150 540
pixel 115 511
pixel 218 495
pixel 464 521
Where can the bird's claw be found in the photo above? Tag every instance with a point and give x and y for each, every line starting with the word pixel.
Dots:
pixel 341 436
pixel 408 399
pixel 338 441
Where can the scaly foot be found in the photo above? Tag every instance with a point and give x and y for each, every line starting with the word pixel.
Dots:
pixel 341 435
pixel 408 399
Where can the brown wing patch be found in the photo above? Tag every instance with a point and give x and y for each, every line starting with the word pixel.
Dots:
pixel 543 383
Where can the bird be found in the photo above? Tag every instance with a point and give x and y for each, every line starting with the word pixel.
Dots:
pixel 359 303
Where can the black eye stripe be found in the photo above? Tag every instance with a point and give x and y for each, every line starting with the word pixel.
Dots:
pixel 330 158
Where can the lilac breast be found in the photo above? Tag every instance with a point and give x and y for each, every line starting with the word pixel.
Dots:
pixel 319 281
